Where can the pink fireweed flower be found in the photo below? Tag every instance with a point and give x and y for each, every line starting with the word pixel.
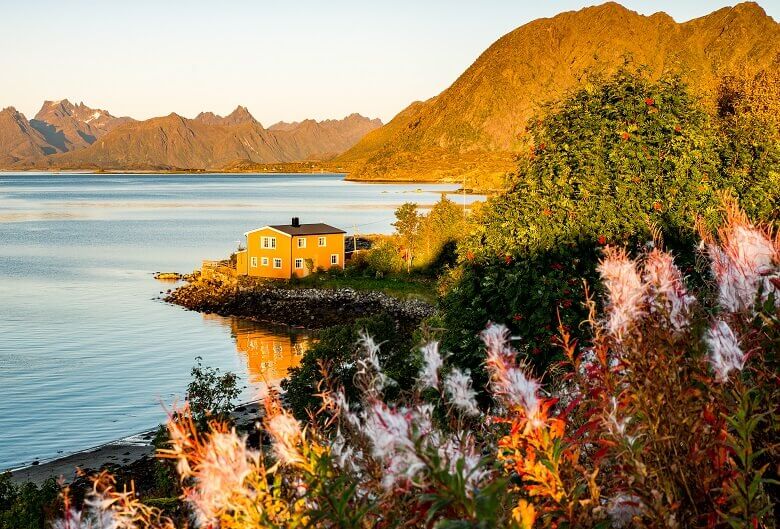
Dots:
pixel 507 380
pixel 496 338
pixel 625 290
pixel 369 371
pixel 432 362
pixel 457 386
pixel 725 353
pixel 286 437
pixel 453 451
pixel 389 430
pixel 622 508
pixel 336 401
pixel 220 474
pixel 390 433
pixel 744 266
pixel 666 291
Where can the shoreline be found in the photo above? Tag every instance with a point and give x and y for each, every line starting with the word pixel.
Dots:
pixel 119 452
pixel 310 308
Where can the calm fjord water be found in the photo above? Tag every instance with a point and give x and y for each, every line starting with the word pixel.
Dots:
pixel 87 354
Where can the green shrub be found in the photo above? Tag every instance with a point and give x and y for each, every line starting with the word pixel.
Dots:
pixel 27 506
pixel 336 347
pixel 211 394
pixel 385 258
pixel 528 295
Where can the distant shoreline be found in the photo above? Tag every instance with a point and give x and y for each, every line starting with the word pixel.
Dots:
pixel 145 172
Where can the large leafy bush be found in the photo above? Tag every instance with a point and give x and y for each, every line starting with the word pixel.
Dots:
pixel 620 161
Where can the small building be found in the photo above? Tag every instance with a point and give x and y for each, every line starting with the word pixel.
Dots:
pixel 286 250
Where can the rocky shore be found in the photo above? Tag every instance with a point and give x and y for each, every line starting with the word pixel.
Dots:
pixel 312 308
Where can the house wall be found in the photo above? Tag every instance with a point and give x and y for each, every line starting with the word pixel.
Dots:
pixel 334 244
pixel 282 251
pixel 287 250
pixel 242 263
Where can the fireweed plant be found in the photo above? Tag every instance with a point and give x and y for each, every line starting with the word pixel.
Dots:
pixel 667 417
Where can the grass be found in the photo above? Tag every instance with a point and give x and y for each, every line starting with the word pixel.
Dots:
pixel 401 285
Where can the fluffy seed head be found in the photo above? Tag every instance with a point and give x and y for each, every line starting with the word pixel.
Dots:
pixel 622 508
pixel 508 381
pixel 458 388
pixel 625 290
pixel 666 290
pixel 744 263
pixel 432 362
pixel 286 436
pixel 725 353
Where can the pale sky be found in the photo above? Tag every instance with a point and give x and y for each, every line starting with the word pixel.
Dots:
pixel 284 60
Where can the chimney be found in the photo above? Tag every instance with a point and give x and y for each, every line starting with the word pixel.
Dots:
pixel 296 222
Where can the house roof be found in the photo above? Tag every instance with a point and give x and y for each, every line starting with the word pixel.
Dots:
pixel 304 229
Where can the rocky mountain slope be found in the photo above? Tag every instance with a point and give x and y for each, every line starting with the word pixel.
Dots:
pixel 19 141
pixel 475 126
pixel 322 140
pixel 68 127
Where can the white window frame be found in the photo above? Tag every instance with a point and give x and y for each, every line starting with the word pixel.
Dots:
pixel 322 242
pixel 253 261
pixel 265 261
pixel 301 242
pixel 268 243
pixel 278 260
pixel 298 263
pixel 334 259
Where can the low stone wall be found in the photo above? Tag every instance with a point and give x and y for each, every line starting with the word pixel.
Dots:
pixel 305 307
pixel 218 271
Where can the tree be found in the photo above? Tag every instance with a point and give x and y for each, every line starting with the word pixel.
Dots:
pixel 408 226
pixel 384 258
pixel 439 229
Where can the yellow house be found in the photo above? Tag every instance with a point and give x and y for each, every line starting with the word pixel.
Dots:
pixel 286 250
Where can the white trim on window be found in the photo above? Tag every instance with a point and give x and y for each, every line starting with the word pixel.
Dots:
pixel 253 260
pixel 301 242
pixel 322 242
pixel 277 263
pixel 268 243
pixel 334 259
pixel 299 264
pixel 264 261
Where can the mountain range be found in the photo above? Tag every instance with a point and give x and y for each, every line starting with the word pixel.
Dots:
pixel 475 128
pixel 67 136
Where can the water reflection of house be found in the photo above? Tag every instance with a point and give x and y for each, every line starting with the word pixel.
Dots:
pixel 269 351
